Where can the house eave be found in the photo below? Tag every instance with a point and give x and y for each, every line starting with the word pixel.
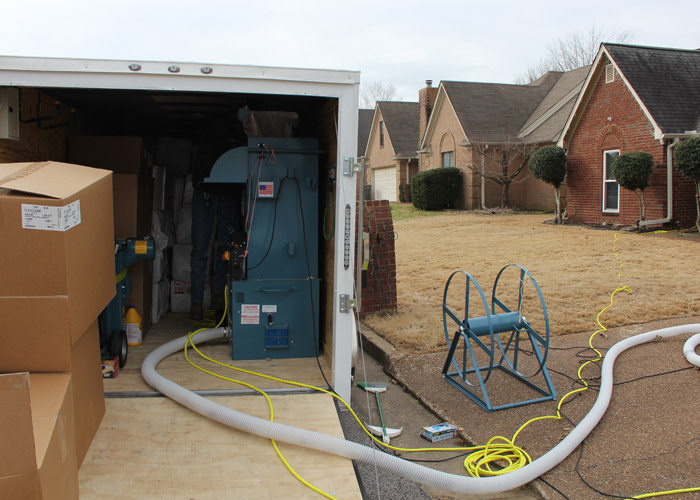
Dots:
pixel 679 135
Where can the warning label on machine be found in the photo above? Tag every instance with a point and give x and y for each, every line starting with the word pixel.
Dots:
pixel 250 314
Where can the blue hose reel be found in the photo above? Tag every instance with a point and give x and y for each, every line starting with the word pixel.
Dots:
pixel 495 340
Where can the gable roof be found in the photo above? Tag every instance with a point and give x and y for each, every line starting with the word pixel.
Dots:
pixel 488 112
pixel 494 113
pixel 546 123
pixel 364 124
pixel 664 81
pixel 401 120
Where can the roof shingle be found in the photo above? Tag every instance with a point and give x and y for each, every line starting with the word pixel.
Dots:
pixel 401 120
pixel 666 80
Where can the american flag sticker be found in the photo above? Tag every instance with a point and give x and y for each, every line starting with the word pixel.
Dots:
pixel 266 189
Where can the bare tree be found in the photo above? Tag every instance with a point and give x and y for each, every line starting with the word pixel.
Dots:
pixel 503 162
pixel 571 52
pixel 371 92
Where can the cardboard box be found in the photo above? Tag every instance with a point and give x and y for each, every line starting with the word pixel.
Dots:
pixel 125 155
pixel 133 199
pixel 37 456
pixel 37 334
pixel 42 343
pixel 88 389
pixel 58 236
pixel 440 431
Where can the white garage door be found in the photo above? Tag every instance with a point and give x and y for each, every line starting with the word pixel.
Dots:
pixel 384 182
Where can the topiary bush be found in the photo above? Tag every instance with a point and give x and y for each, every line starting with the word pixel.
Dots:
pixel 437 188
pixel 632 171
pixel 548 164
pixel 686 158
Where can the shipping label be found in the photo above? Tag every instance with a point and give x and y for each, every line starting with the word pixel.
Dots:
pixel 47 218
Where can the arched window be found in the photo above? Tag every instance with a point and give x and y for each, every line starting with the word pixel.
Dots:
pixel 447 150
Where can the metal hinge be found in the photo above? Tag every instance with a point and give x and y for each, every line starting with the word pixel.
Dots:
pixel 350 167
pixel 346 303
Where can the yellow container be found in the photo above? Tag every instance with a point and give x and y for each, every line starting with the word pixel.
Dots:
pixel 132 324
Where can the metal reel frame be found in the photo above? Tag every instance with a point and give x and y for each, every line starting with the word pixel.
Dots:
pixel 465 333
pixel 539 344
pixel 492 325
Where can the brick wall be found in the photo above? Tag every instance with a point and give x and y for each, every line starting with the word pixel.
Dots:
pixel 613 119
pixel 379 295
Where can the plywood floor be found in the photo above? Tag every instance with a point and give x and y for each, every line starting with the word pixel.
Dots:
pixel 153 448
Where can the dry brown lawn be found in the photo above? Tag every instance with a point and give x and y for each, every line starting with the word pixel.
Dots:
pixel 576 268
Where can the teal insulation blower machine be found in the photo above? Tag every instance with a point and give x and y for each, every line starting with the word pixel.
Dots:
pixel 273 258
pixel 113 341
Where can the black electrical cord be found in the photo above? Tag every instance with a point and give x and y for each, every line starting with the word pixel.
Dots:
pixel 311 290
pixel 594 385
pixel 580 475
pixel 553 487
pixel 308 268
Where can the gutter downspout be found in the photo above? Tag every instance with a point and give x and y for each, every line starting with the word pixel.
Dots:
pixel 669 189
pixel 483 185
pixel 360 234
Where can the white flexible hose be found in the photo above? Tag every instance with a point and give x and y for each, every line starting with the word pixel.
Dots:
pixel 689 349
pixel 415 472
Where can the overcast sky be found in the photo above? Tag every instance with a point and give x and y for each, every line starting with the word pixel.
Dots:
pixel 401 43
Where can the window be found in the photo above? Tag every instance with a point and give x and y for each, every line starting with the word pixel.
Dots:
pixel 448 159
pixel 381 134
pixel 611 189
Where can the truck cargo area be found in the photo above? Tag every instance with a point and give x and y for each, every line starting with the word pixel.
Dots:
pixel 293 134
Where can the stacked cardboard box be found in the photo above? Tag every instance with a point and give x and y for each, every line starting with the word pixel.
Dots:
pixel 57 268
pixel 128 157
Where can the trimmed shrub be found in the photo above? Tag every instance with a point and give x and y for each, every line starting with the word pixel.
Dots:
pixel 437 188
pixel 686 158
pixel 632 170
pixel 548 163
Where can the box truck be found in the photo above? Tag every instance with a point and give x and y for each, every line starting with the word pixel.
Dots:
pixel 292 291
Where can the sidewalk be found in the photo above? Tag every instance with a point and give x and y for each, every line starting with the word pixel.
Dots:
pixel 647 441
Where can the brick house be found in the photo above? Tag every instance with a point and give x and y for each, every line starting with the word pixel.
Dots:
pixel 476 124
pixel 391 148
pixel 634 98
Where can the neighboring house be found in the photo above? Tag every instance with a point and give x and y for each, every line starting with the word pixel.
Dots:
pixel 391 148
pixel 477 124
pixel 634 98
